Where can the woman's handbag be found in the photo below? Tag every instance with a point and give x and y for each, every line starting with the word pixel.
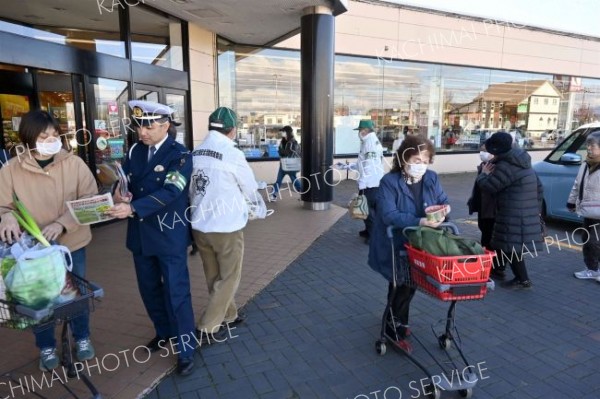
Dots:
pixel 291 164
pixel 39 276
pixel 359 207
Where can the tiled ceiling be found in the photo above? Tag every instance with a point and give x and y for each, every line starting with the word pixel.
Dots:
pixel 256 22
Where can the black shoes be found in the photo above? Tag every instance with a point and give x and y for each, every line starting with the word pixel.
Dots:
pixel 209 338
pixel 497 274
pixel 516 283
pixel 185 366
pixel 241 317
pixel 157 343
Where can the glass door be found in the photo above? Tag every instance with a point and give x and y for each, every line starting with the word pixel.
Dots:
pixel 109 114
pixel 177 101
pixel 16 98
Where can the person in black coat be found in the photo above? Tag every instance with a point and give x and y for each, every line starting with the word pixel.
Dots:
pixel 518 191
pixel 484 204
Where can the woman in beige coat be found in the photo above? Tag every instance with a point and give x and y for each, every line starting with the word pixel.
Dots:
pixel 44 176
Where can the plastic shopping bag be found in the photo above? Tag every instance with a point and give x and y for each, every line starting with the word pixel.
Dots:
pixel 39 276
pixel 257 209
pixel 358 207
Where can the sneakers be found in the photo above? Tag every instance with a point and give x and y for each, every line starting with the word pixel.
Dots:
pixel 84 350
pixel 516 283
pixel 272 197
pixel 587 274
pixel 48 359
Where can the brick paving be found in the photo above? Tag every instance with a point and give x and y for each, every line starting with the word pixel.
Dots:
pixel 311 331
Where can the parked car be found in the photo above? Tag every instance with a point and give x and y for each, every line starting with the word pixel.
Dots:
pixel 558 171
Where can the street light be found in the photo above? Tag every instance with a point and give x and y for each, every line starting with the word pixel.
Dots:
pixel 277 76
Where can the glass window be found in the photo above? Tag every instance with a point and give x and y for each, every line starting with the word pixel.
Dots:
pixel 177 102
pixel 84 26
pixel 155 39
pixel 111 127
pixel 456 107
pixel 263 87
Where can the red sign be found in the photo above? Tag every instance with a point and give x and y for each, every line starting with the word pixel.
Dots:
pixel 113 108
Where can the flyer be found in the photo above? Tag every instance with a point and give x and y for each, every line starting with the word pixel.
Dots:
pixel 91 210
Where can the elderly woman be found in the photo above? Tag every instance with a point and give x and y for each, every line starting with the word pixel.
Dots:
pixel 44 178
pixel 518 192
pixel 404 193
pixel 585 200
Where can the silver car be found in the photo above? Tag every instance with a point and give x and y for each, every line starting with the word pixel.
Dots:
pixel 558 171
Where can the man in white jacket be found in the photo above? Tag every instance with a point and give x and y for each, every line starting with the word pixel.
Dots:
pixel 370 168
pixel 221 182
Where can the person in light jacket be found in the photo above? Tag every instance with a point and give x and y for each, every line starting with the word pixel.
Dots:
pixel 519 193
pixel 370 169
pixel 44 178
pixel 585 200
pixel 221 181
pixel 403 195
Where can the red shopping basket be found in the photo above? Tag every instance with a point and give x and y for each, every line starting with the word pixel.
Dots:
pixel 450 278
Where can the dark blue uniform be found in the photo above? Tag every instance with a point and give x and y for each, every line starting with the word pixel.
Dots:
pixel 159 234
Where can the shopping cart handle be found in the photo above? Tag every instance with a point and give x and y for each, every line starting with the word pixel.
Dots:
pixel 390 231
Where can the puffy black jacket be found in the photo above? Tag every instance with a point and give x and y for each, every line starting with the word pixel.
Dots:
pixel 519 196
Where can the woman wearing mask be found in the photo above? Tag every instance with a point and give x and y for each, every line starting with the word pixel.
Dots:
pixel 485 205
pixel 518 192
pixel 404 193
pixel 585 200
pixel 44 178
pixel 288 148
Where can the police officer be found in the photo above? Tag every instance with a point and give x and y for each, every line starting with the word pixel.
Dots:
pixel 158 171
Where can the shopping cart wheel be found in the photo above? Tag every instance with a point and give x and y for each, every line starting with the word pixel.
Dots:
pixel 380 347
pixel 466 393
pixel 444 341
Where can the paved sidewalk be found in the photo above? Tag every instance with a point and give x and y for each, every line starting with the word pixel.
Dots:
pixel 311 331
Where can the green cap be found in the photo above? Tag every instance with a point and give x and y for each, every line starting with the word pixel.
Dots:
pixel 365 124
pixel 222 118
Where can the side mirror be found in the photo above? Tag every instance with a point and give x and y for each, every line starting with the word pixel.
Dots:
pixel 570 158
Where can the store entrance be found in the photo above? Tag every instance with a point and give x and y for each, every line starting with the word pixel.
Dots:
pixel 16 98
pixel 24 89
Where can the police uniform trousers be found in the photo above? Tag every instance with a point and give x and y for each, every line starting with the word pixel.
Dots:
pixel 222 255
pixel 164 285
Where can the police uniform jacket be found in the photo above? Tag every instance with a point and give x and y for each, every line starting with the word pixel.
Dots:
pixel 159 188
pixel 221 182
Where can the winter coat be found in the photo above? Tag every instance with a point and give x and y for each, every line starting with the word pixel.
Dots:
pixel 482 203
pixel 396 207
pixel 519 194
pixel 44 192
pixel 589 205
pixel 289 148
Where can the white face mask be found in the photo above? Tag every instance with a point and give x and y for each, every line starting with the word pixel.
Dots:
pixel 51 148
pixel 416 170
pixel 485 156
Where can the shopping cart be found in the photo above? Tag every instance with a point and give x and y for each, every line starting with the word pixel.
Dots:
pixel 15 316
pixel 447 278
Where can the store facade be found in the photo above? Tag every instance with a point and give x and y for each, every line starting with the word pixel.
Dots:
pixel 453 79
pixel 83 66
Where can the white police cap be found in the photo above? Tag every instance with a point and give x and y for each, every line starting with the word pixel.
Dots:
pixel 146 112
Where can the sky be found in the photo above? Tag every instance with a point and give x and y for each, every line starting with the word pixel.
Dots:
pixel 573 16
